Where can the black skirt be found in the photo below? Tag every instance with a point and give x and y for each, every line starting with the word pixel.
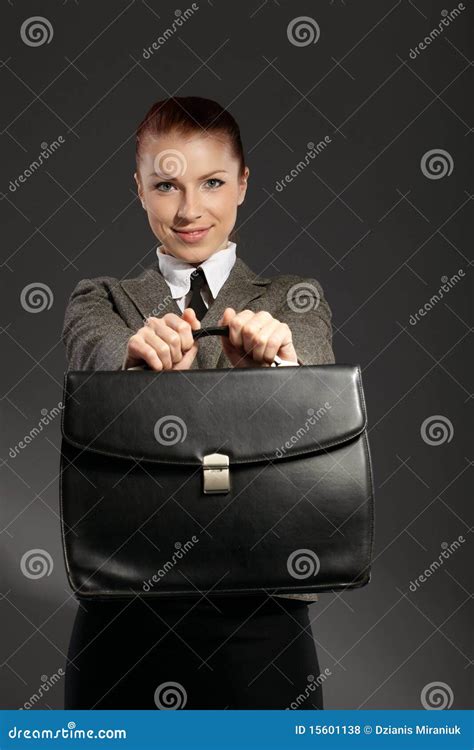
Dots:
pixel 253 652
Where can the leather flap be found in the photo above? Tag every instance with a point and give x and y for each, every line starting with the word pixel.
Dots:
pixel 248 414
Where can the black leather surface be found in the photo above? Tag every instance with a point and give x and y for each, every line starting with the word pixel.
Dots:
pixel 132 500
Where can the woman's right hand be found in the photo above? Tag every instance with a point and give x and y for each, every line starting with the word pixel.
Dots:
pixel 165 343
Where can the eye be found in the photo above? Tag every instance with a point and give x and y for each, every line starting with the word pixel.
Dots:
pixel 160 184
pixel 215 179
pixel 162 187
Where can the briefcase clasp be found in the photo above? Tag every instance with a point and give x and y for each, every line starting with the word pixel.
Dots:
pixel 216 473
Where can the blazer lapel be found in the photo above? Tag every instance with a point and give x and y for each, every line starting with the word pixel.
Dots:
pixel 150 293
pixel 152 297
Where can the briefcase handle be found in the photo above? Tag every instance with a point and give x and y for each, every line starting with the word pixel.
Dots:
pixel 211 331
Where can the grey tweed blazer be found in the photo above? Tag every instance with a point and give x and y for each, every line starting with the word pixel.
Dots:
pixel 104 312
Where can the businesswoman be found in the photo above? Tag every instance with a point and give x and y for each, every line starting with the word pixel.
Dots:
pixel 243 652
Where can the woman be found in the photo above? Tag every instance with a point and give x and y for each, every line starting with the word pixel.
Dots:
pixel 241 652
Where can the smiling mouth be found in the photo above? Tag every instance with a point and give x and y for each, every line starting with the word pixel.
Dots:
pixel 191 231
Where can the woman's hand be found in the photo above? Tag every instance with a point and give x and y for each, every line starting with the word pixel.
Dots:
pixel 165 343
pixel 255 338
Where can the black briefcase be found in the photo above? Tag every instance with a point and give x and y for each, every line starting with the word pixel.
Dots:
pixel 230 481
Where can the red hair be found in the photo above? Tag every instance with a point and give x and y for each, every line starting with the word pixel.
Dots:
pixel 187 115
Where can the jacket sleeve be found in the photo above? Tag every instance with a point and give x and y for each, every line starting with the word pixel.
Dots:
pixel 94 334
pixel 309 317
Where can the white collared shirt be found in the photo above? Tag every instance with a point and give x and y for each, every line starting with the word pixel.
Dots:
pixel 177 274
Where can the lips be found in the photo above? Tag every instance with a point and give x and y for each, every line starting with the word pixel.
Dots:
pixel 192 235
pixel 191 231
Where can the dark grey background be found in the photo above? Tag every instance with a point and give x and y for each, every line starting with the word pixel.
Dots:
pixel 362 218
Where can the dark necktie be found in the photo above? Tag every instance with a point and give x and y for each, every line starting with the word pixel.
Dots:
pixel 198 280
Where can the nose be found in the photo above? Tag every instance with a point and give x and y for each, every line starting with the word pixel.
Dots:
pixel 190 207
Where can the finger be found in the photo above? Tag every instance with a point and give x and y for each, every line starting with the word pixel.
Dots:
pixel 237 356
pixel 287 348
pixel 189 315
pixel 153 322
pixel 235 327
pixel 251 329
pixel 158 330
pixel 168 354
pixel 226 317
pixel 138 348
pixel 183 328
pixel 267 342
pixel 188 358
pixel 234 353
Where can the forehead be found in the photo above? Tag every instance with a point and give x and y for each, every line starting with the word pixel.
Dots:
pixel 191 156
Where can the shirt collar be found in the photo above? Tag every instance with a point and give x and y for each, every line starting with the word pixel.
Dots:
pixel 177 272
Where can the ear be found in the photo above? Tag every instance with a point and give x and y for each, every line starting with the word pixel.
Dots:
pixel 243 186
pixel 140 189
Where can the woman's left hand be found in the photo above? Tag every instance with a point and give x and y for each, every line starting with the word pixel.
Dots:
pixel 255 338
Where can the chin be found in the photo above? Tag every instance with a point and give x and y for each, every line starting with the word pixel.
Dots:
pixel 195 254
pixel 197 258
pixel 191 253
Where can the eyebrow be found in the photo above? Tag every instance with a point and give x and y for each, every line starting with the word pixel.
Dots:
pixel 169 179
